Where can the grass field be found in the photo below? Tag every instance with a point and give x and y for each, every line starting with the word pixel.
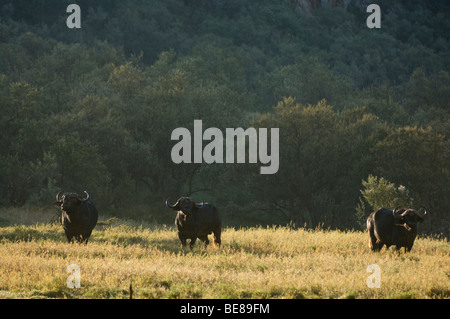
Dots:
pixel 276 262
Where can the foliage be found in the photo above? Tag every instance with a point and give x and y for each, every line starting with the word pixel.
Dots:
pixel 378 192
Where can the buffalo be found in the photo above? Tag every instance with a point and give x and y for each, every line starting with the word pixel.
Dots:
pixel 79 216
pixel 396 227
pixel 196 221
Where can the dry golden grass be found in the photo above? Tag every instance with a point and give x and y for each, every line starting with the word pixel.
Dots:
pixel 252 263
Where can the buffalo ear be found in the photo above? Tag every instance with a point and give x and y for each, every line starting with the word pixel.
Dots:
pixel 57 204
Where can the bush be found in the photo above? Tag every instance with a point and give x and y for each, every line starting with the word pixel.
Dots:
pixel 378 193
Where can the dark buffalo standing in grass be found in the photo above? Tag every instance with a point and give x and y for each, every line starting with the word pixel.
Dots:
pixel 394 227
pixel 79 216
pixel 196 221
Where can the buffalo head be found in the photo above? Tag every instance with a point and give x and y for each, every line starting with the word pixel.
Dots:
pixel 409 218
pixel 185 205
pixel 69 201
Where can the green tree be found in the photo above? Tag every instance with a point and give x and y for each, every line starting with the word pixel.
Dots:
pixel 80 167
pixel 322 159
pixel 417 158
pixel 308 81
pixel 426 91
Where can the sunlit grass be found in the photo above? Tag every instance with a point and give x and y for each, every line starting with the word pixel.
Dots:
pixel 276 262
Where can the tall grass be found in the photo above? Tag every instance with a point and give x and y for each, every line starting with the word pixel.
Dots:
pixel 275 262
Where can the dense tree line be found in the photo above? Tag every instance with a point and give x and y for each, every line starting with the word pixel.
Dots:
pixel 94 108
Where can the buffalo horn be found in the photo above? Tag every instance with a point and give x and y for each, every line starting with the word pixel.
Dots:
pixel 168 205
pixel 422 215
pixel 57 196
pixel 397 215
pixel 85 199
pixel 394 212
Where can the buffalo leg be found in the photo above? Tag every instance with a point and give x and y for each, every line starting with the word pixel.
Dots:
pixel 192 243
pixel 408 249
pixel 374 244
pixel 86 236
pixel 216 237
pixel 205 240
pixel 376 247
pixel 79 238
pixel 69 237
pixel 182 239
